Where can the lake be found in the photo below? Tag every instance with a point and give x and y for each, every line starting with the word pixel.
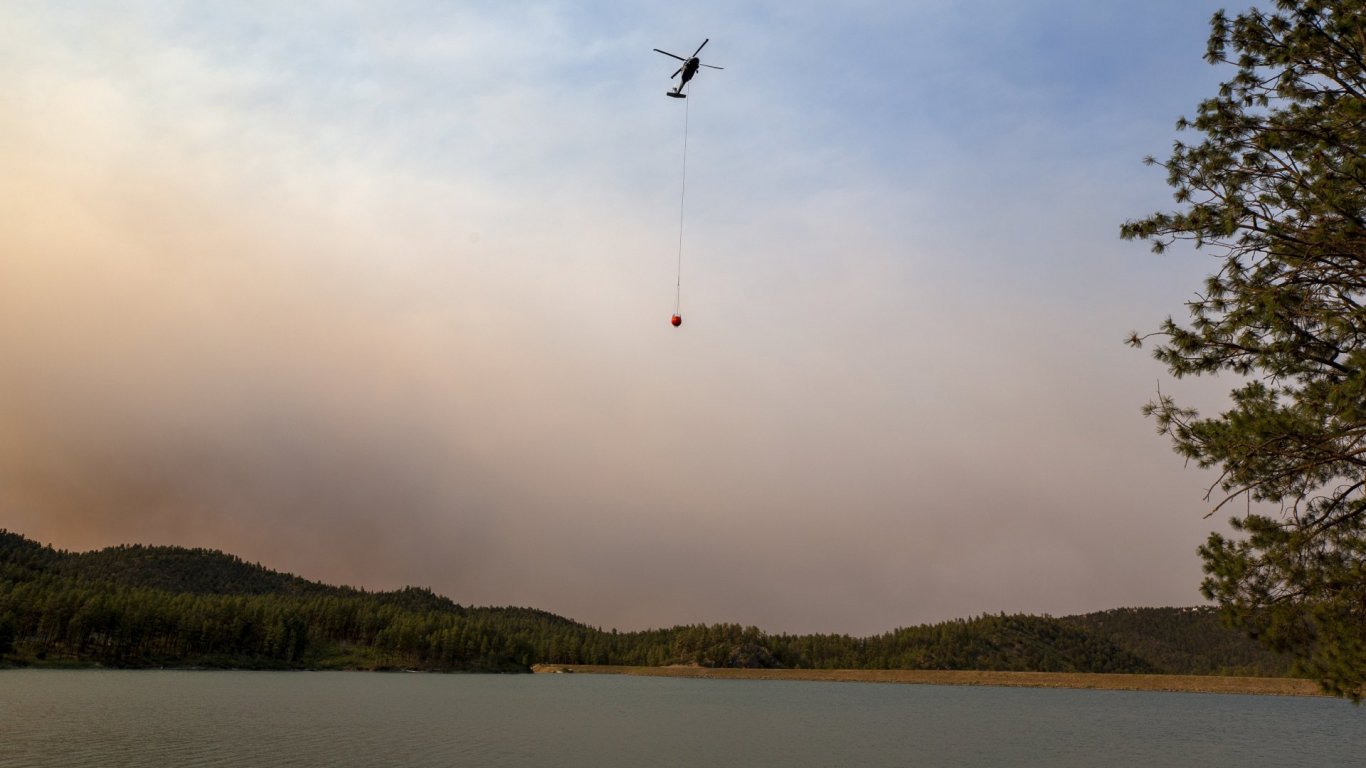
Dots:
pixel 182 718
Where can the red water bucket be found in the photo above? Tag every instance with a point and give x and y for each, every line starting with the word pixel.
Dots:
pixel 677 320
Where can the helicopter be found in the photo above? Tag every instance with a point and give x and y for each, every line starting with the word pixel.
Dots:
pixel 688 69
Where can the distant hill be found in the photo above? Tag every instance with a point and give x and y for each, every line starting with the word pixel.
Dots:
pixel 140 606
pixel 1191 640
pixel 192 571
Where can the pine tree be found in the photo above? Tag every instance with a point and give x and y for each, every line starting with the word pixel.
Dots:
pixel 1276 188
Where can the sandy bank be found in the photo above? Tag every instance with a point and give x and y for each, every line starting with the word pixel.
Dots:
pixel 1266 686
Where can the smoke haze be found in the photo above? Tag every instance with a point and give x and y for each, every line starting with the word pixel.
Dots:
pixel 385 302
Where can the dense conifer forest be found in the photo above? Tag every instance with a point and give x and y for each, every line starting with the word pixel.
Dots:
pixel 141 606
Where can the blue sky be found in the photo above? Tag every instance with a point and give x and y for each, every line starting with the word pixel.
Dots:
pixel 380 295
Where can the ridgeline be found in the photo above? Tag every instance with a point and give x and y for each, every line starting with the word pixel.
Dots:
pixel 139 606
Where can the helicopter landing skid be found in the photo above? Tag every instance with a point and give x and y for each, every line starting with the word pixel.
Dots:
pixel 676 95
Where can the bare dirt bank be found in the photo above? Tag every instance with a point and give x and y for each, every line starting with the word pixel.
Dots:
pixel 1266 686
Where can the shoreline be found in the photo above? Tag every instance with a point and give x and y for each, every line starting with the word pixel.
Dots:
pixel 1256 686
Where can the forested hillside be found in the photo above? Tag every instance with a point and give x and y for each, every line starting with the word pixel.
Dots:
pixel 1190 639
pixel 138 606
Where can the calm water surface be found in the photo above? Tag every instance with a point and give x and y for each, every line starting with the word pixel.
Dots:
pixel 109 718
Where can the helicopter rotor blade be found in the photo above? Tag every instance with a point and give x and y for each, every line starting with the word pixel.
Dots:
pixel 666 53
pixel 712 66
pixel 675 74
pixel 700 47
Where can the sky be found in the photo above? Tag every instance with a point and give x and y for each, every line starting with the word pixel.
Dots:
pixel 379 294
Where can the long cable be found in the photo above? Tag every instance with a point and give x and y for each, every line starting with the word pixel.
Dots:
pixel 682 196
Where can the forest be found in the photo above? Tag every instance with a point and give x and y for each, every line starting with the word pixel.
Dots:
pixel 143 606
